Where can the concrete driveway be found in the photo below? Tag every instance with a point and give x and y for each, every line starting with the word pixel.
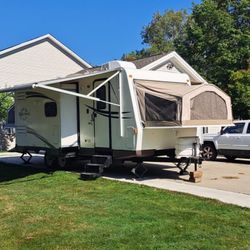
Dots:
pixel 229 176
pixel 226 181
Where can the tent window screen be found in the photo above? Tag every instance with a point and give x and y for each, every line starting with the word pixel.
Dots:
pixel 50 109
pixel 101 93
pixel 208 106
pixel 159 109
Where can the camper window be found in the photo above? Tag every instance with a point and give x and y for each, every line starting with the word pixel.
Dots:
pixel 50 109
pixel 159 109
pixel 101 94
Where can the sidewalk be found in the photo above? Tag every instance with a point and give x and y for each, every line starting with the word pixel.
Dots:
pixel 238 199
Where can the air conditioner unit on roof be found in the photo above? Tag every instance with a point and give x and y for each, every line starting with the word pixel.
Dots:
pixel 118 64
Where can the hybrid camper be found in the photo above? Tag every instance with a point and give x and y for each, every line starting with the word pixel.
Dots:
pixel 117 111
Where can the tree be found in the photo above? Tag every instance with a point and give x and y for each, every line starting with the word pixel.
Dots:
pixel 6 101
pixel 137 54
pixel 163 30
pixel 239 89
pixel 214 39
pixel 216 42
pixel 160 34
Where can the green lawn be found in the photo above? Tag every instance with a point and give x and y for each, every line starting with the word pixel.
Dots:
pixel 42 210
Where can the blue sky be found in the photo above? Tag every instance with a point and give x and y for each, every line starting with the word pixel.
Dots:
pixel 98 31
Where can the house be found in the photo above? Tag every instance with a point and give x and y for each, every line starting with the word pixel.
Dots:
pixel 39 59
pixel 171 62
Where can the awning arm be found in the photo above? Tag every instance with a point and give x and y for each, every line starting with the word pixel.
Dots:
pixel 103 83
pixel 71 93
pixel 121 106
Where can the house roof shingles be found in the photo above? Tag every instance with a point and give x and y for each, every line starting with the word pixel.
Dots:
pixel 140 63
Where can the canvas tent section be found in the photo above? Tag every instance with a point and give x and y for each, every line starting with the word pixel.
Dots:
pixel 171 104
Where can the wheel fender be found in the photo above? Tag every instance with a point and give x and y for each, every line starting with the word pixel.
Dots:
pixel 215 144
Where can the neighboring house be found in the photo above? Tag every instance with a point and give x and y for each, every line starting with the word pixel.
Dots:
pixel 171 62
pixel 39 59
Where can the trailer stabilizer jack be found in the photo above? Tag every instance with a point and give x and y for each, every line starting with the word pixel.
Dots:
pixel 139 170
pixel 23 157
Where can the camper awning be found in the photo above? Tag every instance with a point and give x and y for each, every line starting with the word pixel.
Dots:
pixel 166 104
pixel 45 85
pixel 16 87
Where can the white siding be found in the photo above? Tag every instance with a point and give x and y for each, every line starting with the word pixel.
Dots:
pixel 168 67
pixel 37 63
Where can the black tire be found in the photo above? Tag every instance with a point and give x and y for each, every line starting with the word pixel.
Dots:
pixel 230 158
pixel 62 162
pixel 50 161
pixel 209 152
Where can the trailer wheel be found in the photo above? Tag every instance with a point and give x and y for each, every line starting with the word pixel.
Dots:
pixel 50 161
pixel 61 161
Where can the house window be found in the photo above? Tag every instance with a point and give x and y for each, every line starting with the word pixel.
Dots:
pixel 50 109
pixel 101 94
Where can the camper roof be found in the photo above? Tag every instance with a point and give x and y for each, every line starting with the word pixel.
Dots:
pixel 135 73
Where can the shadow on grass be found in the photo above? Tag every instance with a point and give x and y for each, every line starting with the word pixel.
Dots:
pixel 12 168
pixel 11 172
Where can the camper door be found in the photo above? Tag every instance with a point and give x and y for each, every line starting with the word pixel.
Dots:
pixel 102 116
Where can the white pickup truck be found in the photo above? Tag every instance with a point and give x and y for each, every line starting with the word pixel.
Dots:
pixel 232 142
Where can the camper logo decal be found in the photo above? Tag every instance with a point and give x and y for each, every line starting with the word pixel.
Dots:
pixel 43 139
pixel 24 114
pixel 112 114
pixel 30 94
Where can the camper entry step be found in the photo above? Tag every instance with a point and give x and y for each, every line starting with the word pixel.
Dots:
pixel 106 160
pixel 89 176
pixel 94 168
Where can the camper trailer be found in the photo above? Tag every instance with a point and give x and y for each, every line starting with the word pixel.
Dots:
pixel 118 111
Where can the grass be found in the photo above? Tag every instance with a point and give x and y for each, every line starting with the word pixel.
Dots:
pixel 43 210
